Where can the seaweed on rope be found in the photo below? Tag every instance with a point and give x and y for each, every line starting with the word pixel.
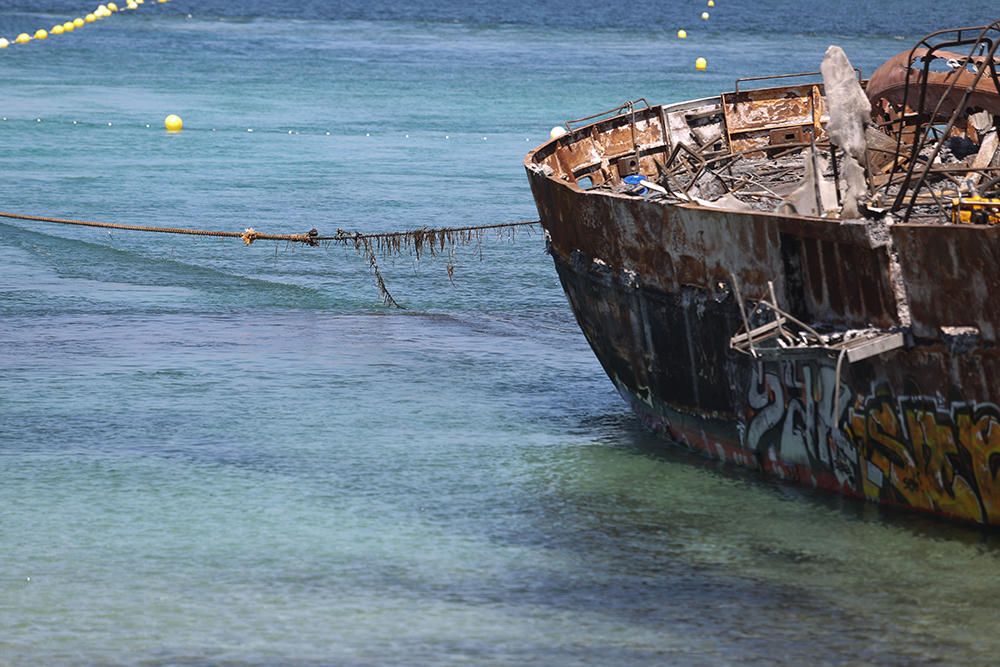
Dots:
pixel 419 242
pixel 432 241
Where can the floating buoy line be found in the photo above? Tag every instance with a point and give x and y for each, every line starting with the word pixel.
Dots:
pixel 101 12
pixel 431 241
pixel 175 126
pixel 700 63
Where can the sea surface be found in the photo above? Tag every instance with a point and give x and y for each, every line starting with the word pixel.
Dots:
pixel 213 454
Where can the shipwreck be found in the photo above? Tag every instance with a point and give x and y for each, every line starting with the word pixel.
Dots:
pixel 800 275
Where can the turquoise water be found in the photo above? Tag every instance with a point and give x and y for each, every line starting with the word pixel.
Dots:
pixel 213 454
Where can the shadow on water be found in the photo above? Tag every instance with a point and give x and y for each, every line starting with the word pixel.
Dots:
pixel 661 537
pixel 717 563
pixel 627 433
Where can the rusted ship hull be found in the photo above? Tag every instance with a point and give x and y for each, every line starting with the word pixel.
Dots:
pixel 916 427
pixel 660 290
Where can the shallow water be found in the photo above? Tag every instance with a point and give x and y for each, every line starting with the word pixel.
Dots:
pixel 212 454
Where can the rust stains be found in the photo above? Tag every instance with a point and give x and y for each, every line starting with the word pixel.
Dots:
pixel 853 348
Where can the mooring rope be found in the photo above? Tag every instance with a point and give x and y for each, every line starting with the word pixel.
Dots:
pixel 423 239
pixel 249 235
pixel 312 237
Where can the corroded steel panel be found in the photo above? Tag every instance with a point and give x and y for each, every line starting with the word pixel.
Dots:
pixel 771 108
pixel 702 246
pixel 945 89
pixel 846 282
pixel 952 276
pixel 760 118
pixel 670 247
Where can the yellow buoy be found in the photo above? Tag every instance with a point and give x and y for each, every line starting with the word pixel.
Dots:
pixel 113 7
pixel 78 22
pixel 4 43
pixel 69 26
pixel 701 64
pixel 23 38
pixel 711 3
pixel 102 12
pixel 682 34
pixel 41 34
pixel 132 5
pixel 173 123
pixel 57 29
pixel 89 18
pixel 704 16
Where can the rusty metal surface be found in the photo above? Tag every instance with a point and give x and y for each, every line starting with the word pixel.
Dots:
pixel 844 280
pixel 952 276
pixel 589 150
pixel 755 118
pixel 926 107
pixel 914 428
pixel 660 285
pixel 889 82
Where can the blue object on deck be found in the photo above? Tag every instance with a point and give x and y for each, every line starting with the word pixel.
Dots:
pixel 636 180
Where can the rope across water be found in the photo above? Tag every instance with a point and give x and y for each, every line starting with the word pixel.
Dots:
pixel 431 240
pixel 250 235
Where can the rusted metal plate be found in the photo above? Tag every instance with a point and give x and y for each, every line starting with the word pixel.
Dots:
pixel 669 247
pixel 771 108
pixel 844 282
pixel 945 89
pixel 761 118
pixel 952 276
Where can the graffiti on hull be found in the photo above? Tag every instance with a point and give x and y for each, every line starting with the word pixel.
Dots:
pixel 792 419
pixel 930 455
pixel 919 451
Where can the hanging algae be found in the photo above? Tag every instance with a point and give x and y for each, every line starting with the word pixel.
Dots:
pixel 428 241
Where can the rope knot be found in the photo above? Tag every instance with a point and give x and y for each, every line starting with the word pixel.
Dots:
pixel 249 235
